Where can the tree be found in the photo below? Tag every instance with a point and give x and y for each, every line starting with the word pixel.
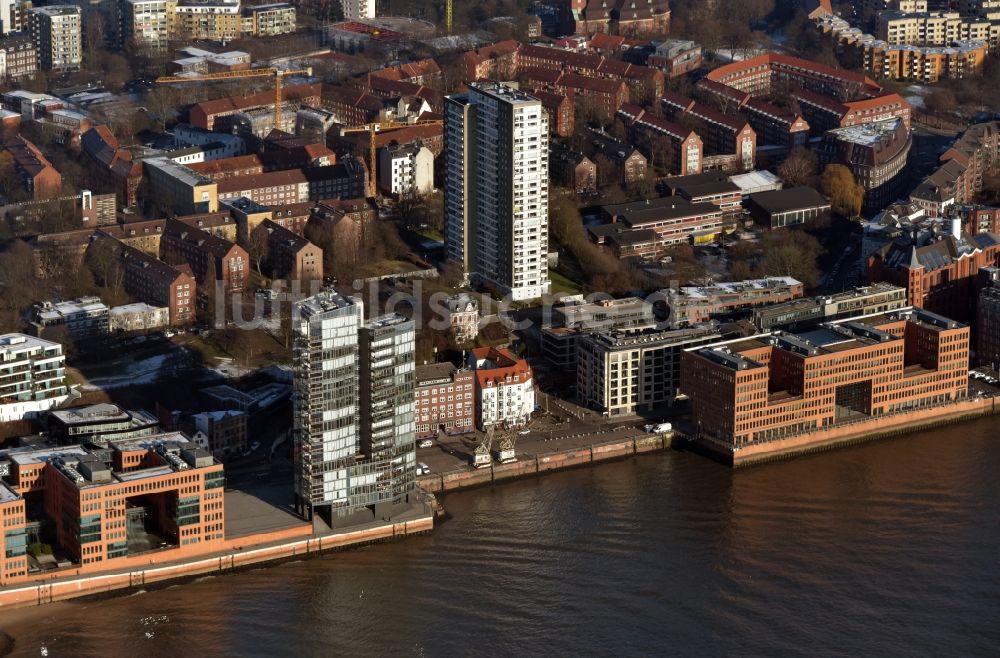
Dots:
pixel 103 260
pixel 258 246
pixel 792 253
pixel 846 196
pixel 799 168
pixel 941 101
pixel 17 281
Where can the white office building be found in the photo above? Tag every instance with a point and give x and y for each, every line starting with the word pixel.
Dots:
pixel 353 419
pixel 496 188
pixel 386 476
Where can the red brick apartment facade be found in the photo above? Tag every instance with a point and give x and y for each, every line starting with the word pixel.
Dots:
pixel 41 180
pixel 561 112
pixel 205 252
pixel 445 400
pixel 687 150
pixel 942 276
pixel 87 504
pixel 768 388
pixel 290 256
pixel 149 279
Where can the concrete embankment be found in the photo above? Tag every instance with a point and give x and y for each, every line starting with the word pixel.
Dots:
pixel 529 465
pixel 254 550
pixel 858 432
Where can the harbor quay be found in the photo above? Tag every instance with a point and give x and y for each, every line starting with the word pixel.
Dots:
pixel 292 542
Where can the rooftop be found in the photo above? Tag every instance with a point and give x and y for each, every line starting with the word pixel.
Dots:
pixel 504 92
pixel 435 372
pixel 178 171
pixel 866 134
pixel 795 198
pixel 12 343
pixel 102 411
pixel 736 287
pixel 324 302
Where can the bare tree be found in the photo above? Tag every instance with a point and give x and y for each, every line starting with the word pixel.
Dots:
pixel 258 245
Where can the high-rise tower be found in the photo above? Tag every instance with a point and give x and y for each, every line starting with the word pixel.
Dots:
pixel 496 187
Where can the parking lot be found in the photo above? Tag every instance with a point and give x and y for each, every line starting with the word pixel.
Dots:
pixel 548 432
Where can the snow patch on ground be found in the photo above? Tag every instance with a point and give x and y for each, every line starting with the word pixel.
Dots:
pixel 916 96
pixel 145 371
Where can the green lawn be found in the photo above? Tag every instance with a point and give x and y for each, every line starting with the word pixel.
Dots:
pixel 561 284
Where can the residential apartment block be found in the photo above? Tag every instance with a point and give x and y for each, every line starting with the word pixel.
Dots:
pixel 808 312
pixel 575 319
pixel 626 373
pixel 151 280
pixel 97 425
pixel 496 188
pixel 39 178
pixel 505 388
pixel 445 400
pixel 290 256
pixel 386 477
pixel 353 400
pixel 56 32
pixel 224 432
pixel 214 261
pixel 406 170
pixel 32 376
pixel 20 56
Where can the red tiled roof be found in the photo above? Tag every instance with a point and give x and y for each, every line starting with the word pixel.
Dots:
pixel 233 104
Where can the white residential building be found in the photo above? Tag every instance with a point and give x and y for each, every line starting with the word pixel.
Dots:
pixel 505 388
pixel 11 16
pixel 355 10
pixel 85 317
pixel 138 317
pixel 145 23
pixel 625 373
pixel 32 376
pixel 406 170
pixel 496 188
pixel 231 145
pixel 56 31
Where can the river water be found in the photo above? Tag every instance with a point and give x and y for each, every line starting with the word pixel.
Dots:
pixel 889 549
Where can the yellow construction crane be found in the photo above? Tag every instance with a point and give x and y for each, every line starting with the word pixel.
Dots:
pixel 377 127
pixel 447 15
pixel 277 74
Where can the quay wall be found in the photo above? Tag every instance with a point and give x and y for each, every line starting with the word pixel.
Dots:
pixel 241 552
pixel 854 433
pixel 531 465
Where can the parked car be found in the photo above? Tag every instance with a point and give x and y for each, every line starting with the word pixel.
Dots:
pixel 659 428
pixel 425 443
